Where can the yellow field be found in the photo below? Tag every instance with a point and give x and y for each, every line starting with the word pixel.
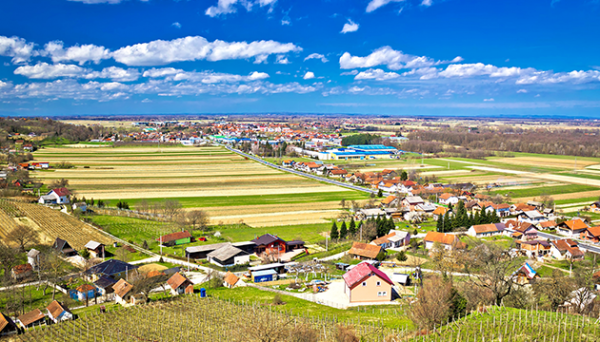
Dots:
pixel 189 172
pixel 546 162
pixel 583 194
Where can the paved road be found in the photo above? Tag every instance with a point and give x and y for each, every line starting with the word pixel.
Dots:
pixel 582 245
pixel 303 174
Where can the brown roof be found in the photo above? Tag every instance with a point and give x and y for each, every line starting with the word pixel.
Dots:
pixel 55 308
pixel 440 211
pixel 446 196
pixel 364 250
pixel 485 228
pixel 31 317
pixel 24 268
pixel 548 224
pixel 388 199
pixel 177 280
pixel 383 239
pixel 122 288
pixel 86 288
pixel 339 172
pixel 174 236
pixel 575 224
pixel 5 321
pixel 446 239
pixel 561 245
pixel 231 278
pixel 595 231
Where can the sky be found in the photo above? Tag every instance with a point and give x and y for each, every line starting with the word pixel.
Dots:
pixel 395 57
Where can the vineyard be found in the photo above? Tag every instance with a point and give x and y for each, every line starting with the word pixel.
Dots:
pixel 192 318
pixel 49 223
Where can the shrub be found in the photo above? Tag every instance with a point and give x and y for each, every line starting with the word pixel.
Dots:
pixel 277 299
pixel 84 253
pixel 345 334
pixel 401 256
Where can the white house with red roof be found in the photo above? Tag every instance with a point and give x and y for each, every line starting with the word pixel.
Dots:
pixel 56 196
pixel 365 283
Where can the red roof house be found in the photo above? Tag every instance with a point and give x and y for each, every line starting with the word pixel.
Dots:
pixel 365 283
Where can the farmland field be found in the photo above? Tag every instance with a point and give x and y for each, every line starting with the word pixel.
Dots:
pixel 205 177
pixel 48 223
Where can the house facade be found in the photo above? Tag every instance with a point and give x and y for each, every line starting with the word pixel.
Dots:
pixel 365 283
pixel 572 228
pixel 56 196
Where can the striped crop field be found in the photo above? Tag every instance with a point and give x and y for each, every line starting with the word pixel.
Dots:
pixel 199 177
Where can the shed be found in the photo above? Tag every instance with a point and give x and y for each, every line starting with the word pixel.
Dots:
pixel 96 249
pixel 228 256
pixel 262 276
pixel 105 285
pixel 200 252
pixel 58 312
pixel 401 278
pixel 32 318
pixel 173 239
pixel 7 326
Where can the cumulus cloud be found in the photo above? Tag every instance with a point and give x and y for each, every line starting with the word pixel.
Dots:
pixel 426 3
pixel 176 24
pixel 346 73
pixel 522 91
pixel 281 59
pixel 375 4
pixel 479 69
pixel 116 74
pixel 229 6
pixel 161 72
pixel 350 26
pixel 488 100
pixel 160 52
pixel 80 54
pixel 17 48
pixel 316 56
pixel 50 71
pixel 309 75
pixel 376 74
pixel 393 59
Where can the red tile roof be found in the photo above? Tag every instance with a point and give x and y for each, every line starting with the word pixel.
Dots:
pixel 446 239
pixel 31 317
pixel 364 250
pixel 177 280
pixel 61 191
pixel 175 236
pixel 362 271
pixel 55 309
pixel 24 268
pixel 575 224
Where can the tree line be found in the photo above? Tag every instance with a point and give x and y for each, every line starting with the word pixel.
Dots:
pixel 463 219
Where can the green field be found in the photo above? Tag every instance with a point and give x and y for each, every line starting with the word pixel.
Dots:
pixel 547 190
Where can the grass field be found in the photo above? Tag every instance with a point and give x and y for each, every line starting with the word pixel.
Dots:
pixel 211 178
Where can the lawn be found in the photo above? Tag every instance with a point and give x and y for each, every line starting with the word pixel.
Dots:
pixel 548 190
pixel 31 297
pixel 391 316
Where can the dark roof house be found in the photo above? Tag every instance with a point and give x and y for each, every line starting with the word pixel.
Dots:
pixel 111 268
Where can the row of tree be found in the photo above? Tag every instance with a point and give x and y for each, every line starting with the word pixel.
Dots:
pixel 463 219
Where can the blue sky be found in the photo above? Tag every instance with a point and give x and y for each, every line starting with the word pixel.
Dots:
pixel 405 57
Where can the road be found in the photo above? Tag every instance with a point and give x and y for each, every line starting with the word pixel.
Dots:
pixel 587 247
pixel 302 174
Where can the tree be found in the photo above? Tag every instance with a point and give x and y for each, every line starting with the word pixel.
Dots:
pixel 352 227
pixel 448 222
pixel 403 176
pixel 22 236
pixel 59 183
pixel 196 219
pixel 556 289
pixel 491 268
pixel 369 230
pixel 440 224
pixel 171 208
pixel 334 234
pixel 142 206
pixel 55 268
pixel 343 230
pixel 9 257
pixel 84 253
pixel 401 256
pixel 343 203
pixel 433 305
pixel 122 254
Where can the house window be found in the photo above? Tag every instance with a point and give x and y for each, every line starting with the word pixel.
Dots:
pixel 378 283
pixel 381 294
pixel 364 283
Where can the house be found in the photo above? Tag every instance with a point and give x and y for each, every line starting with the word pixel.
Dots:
pixel 532 216
pixel 591 234
pixel 270 244
pixel 547 225
pixel 572 227
pixel 80 206
pixel 425 208
pixel 123 292
pixel 228 256
pixel 21 272
pixel 56 196
pixel 180 284
pixel 486 230
pixel 200 252
pixel 365 283
pixel 525 275
pixel 287 163
pixel 439 211
pixel 387 186
pixel 84 292
pixel 520 208
pixel 525 231
pixel 448 241
pixel 230 280
pixel 365 214
pixel 338 173
pixel 401 278
pixel 104 285
pixel 96 249
pixel 502 209
pixel 395 239
pixel 390 201
pixel 278 267
pixel 64 248
pixel 412 201
pixel 263 276
pixel 566 249
pixel 175 239
pixel 364 251
pixel 535 248
pixel 7 326
pixel 595 207
pixel 33 258
pixel 32 318
pixel 448 199
pixel 57 312
pixel 112 268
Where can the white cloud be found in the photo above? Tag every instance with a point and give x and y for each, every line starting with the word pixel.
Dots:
pixel 457 59
pixel 281 59
pixel 376 74
pixel 285 22
pixel 48 71
pixel 548 77
pixel 316 56
pixel 385 56
pixel 488 100
pixel 209 77
pixel 375 4
pixel 17 48
pixel 160 52
pixel 309 75
pixel 426 3
pixel 161 72
pixel 522 91
pixel 350 26
pixel 81 54
pixel 258 76
pixel 346 73
pixel 176 24
pixel 480 69
pixel 229 6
